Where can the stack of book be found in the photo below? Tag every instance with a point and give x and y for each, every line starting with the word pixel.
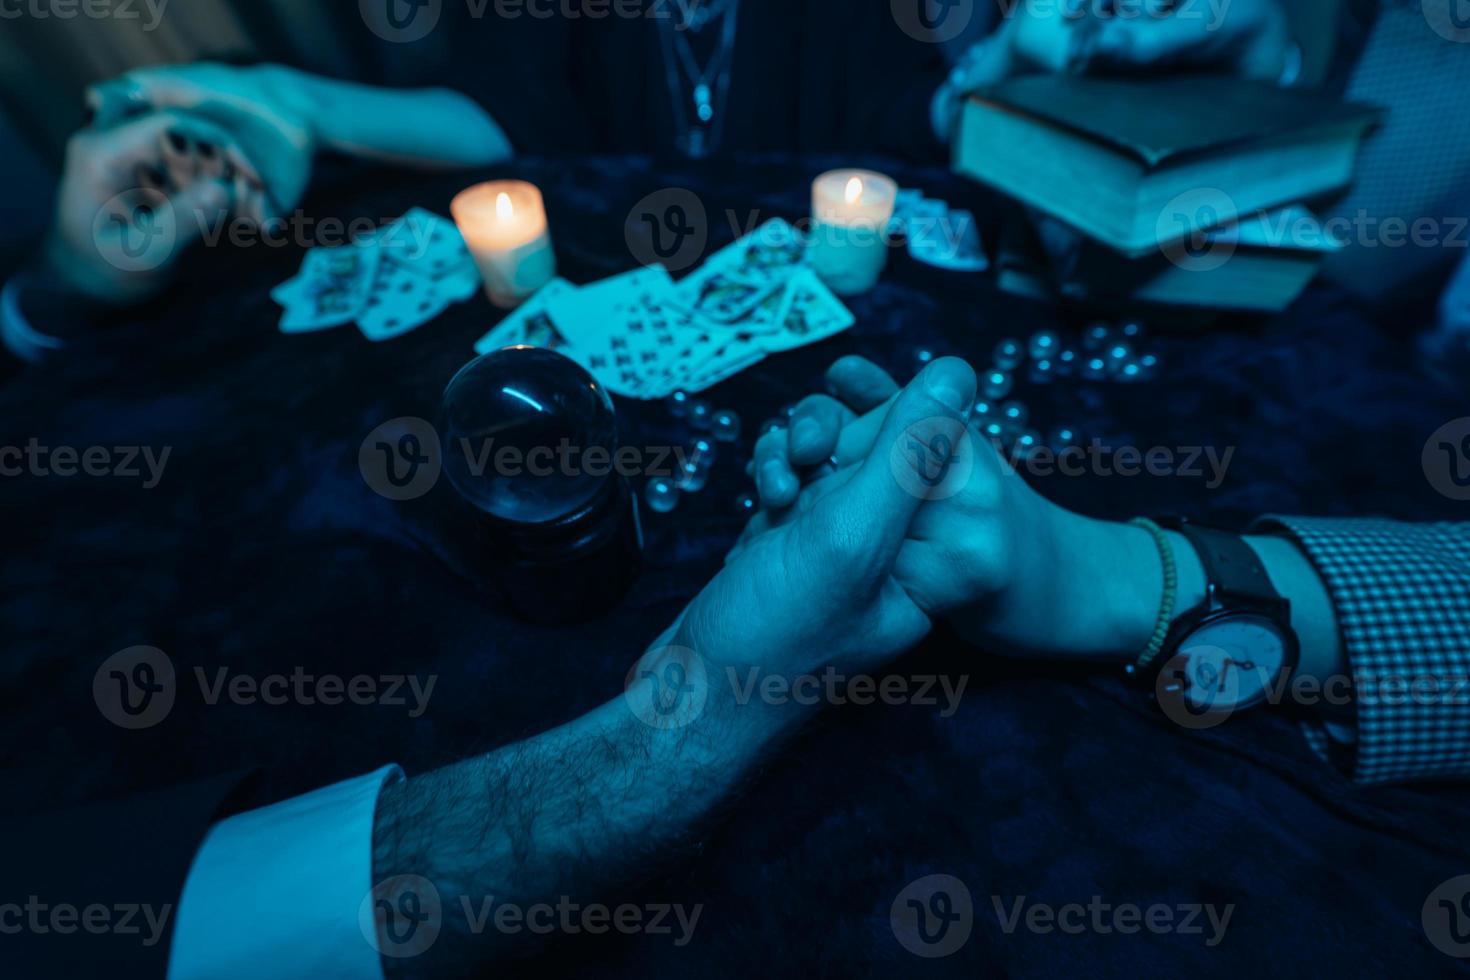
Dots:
pixel 1182 191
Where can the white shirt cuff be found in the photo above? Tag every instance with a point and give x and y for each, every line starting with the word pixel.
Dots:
pixel 276 891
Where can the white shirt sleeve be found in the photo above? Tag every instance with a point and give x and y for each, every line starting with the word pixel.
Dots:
pixel 276 891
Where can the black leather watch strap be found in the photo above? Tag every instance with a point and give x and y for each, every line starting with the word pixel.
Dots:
pixel 1231 565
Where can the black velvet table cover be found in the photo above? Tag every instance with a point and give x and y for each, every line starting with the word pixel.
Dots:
pixel 262 550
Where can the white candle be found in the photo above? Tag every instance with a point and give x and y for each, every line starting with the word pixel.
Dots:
pixel 851 210
pixel 504 225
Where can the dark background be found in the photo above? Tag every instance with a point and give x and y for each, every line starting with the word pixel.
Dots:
pixel 263 549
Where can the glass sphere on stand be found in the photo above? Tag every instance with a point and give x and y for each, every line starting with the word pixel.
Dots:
pixel 530 442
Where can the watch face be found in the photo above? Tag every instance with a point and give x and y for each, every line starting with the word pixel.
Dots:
pixel 1229 662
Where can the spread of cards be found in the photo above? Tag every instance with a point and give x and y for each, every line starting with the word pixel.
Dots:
pixel 643 335
pixel 389 283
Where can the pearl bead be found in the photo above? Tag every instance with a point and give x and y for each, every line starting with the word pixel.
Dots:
pixel 703 452
pixel 1027 442
pixel 693 477
pixel 1044 343
pixel 1096 336
pixel 679 404
pixel 725 425
pixel 982 408
pixel 1042 371
pixel 1066 363
pixel 699 413
pixel 745 504
pixel 1118 354
pixel 1061 437
pixel 1014 413
pixel 1008 354
pixel 997 385
pixel 1094 368
pixel 661 494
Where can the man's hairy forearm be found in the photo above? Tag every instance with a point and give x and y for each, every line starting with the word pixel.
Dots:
pixel 565 816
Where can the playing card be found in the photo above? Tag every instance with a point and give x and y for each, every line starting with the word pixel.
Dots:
pixel 809 313
pixel 617 327
pixel 400 302
pixel 948 242
pixel 529 324
pixel 425 244
pixel 332 288
pixel 737 279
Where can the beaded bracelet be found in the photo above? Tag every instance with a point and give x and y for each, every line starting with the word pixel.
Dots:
pixel 1171 592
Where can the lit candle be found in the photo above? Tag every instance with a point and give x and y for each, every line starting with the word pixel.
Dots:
pixel 504 225
pixel 851 210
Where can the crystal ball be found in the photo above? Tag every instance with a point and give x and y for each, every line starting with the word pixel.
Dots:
pixel 725 425
pixel 996 385
pixel 1008 354
pixel 528 435
pixel 661 494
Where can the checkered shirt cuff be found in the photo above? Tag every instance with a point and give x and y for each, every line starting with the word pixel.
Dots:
pixel 1402 595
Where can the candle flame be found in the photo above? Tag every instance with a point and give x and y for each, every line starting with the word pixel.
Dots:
pixel 854 191
pixel 504 209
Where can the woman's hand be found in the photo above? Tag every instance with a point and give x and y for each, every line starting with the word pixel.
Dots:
pixel 1246 38
pixel 134 196
pixel 268 110
pixel 1010 570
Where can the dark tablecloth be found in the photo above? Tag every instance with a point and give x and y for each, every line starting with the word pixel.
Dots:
pixel 263 550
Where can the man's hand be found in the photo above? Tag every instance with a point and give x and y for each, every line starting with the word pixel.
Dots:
pixel 585 807
pixel 820 589
pixel 1011 571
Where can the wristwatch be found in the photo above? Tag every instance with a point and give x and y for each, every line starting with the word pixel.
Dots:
pixel 1236 649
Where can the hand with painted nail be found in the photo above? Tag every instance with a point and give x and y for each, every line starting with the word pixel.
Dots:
pixel 1009 570
pixel 1246 38
pixel 264 109
pixel 134 197
pixel 284 117
pixel 823 587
